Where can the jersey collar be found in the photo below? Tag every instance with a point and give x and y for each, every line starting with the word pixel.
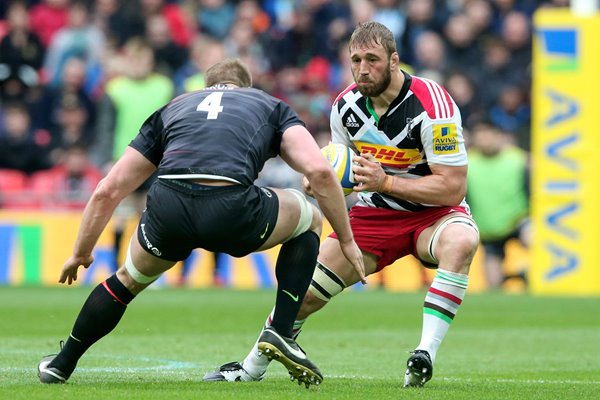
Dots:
pixel 397 100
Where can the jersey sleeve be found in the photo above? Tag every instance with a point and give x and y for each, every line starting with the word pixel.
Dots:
pixel 338 131
pixel 285 117
pixel 149 138
pixel 443 141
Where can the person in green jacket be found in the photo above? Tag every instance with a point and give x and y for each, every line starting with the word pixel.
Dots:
pixel 498 194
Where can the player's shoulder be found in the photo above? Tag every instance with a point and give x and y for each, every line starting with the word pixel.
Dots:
pixel 434 98
pixel 350 88
pixel 254 95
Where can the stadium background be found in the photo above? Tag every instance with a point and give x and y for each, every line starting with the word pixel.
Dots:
pixel 481 50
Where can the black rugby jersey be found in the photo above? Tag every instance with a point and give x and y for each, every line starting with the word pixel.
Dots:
pixel 217 131
pixel 421 126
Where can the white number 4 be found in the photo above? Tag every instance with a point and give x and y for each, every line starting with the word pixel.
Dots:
pixel 212 105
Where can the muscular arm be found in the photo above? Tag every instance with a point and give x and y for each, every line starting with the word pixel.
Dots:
pixel 126 175
pixel 446 186
pixel 301 152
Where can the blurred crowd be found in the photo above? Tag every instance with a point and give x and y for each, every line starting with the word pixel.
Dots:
pixel 77 77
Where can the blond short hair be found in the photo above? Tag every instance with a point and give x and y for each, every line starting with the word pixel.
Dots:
pixel 230 70
pixel 368 34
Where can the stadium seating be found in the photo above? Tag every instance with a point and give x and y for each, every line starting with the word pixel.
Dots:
pixel 14 190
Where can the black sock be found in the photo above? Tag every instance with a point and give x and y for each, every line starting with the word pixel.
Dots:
pixel 99 315
pixel 117 247
pixel 294 270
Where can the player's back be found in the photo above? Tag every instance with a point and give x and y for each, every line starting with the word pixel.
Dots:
pixel 222 131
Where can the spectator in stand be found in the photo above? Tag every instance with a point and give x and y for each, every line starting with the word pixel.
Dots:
pixel 215 17
pixel 72 128
pixel 16 87
pixel 362 11
pixel 430 54
pixel 331 26
pixel 71 87
pixel 118 20
pixel 341 74
pixel 512 113
pixel 480 13
pixel 70 183
pixel 47 17
pixel 294 46
pixel 129 99
pixel 21 146
pixel 204 52
pixel 79 38
pixel 250 11
pixel 502 8
pixel 21 52
pixel 495 71
pixel 168 55
pixel 390 14
pixel 498 194
pixel 463 50
pixel 461 88
pixel 516 34
pixel 421 16
pixel 242 43
pixel 180 27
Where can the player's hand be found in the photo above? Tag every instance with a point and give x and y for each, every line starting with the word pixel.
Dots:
pixel 69 270
pixel 306 186
pixel 368 173
pixel 354 255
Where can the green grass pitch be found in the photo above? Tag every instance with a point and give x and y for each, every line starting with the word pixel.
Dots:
pixel 499 347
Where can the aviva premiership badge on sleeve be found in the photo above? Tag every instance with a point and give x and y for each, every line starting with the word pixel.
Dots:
pixel 445 139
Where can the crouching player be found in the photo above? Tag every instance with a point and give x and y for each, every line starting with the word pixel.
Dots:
pixel 412 172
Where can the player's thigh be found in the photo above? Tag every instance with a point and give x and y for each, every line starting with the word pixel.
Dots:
pixel 294 209
pixel 144 263
pixel 463 237
pixel 331 256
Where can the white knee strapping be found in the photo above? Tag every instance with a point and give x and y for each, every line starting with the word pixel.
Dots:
pixel 325 283
pixel 458 219
pixel 306 215
pixel 133 271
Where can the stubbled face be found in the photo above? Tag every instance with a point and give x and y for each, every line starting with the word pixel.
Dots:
pixel 371 69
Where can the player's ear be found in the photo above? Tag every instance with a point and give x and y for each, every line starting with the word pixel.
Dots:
pixel 394 61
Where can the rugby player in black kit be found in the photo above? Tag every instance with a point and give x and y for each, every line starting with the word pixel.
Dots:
pixel 209 147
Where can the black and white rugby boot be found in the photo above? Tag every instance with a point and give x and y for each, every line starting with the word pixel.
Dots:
pixel 419 369
pixel 231 372
pixel 286 351
pixel 50 374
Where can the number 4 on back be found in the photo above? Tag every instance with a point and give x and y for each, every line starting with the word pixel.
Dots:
pixel 212 105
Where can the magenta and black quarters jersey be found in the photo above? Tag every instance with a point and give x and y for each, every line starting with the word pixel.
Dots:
pixel 216 131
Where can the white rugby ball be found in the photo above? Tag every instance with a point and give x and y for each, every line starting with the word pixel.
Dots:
pixel 340 159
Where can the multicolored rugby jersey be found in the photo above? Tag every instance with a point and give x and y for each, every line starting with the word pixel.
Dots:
pixel 422 126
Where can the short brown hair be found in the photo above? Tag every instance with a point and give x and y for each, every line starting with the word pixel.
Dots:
pixel 230 70
pixel 371 33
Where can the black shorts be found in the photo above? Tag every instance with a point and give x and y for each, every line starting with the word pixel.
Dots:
pixel 182 216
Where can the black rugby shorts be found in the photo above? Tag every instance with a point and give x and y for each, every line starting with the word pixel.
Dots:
pixel 182 216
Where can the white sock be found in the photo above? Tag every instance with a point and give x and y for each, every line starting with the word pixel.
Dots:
pixel 256 365
pixel 441 304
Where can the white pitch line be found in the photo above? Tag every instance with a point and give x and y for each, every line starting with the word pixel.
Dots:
pixel 174 367
pixel 177 368
pixel 490 380
pixel 527 381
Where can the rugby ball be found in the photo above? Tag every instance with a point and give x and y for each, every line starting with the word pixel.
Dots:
pixel 340 159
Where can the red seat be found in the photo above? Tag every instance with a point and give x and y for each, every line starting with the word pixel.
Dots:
pixel 14 189
pixel 50 188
